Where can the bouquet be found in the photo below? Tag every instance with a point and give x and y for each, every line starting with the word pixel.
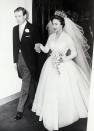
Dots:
pixel 57 59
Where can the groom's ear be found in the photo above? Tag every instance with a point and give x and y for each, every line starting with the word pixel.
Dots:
pixel 68 52
pixel 25 17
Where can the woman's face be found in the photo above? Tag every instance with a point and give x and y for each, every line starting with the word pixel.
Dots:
pixel 56 25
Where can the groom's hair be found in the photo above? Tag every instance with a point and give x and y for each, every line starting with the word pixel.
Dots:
pixel 21 9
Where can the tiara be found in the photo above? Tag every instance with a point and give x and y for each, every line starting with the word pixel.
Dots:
pixel 60 13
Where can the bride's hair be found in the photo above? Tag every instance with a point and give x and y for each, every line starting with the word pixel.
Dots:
pixel 61 19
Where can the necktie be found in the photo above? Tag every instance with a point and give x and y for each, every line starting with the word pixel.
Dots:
pixel 20 32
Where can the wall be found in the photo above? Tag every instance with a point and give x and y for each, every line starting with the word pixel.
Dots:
pixel 9 81
pixel 90 123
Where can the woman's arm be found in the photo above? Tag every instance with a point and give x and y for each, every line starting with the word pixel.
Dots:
pixel 44 49
pixel 72 54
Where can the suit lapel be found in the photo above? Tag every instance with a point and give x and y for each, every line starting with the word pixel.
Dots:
pixel 17 33
pixel 23 35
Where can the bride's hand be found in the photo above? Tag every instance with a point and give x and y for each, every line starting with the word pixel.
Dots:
pixel 41 46
pixel 37 47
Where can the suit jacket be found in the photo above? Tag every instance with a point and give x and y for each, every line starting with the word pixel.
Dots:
pixel 31 35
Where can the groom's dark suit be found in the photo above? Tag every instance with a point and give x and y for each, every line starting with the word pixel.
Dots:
pixel 26 59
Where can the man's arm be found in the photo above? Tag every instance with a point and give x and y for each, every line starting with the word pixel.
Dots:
pixel 14 46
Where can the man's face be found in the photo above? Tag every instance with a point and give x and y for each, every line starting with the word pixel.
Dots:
pixel 20 17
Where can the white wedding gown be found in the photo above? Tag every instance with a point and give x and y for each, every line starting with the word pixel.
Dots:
pixel 61 99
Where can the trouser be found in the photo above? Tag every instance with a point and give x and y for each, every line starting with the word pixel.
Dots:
pixel 26 83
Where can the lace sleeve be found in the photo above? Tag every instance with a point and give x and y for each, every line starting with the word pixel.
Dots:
pixel 70 52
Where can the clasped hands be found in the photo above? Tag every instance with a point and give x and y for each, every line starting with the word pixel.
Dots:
pixel 37 47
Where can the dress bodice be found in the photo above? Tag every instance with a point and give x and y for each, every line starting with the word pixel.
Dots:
pixel 63 43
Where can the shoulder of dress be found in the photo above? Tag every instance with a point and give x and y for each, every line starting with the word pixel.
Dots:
pixel 66 35
pixel 52 35
pixel 67 39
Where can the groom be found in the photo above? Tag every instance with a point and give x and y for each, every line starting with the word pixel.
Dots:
pixel 25 35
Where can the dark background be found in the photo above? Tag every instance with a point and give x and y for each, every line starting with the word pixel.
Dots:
pixel 44 9
pixel 80 11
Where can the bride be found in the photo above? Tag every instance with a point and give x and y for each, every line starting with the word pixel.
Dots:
pixel 63 90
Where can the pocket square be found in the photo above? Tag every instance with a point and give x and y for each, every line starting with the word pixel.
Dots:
pixel 27 36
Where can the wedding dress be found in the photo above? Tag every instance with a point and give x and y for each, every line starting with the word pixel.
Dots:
pixel 63 90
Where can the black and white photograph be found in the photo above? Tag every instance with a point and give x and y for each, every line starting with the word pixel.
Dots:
pixel 46 65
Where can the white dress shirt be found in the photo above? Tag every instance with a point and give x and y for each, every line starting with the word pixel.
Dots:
pixel 21 29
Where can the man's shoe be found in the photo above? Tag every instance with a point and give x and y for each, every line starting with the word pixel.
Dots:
pixel 18 116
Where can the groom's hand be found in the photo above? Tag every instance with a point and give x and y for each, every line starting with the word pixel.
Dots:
pixel 37 47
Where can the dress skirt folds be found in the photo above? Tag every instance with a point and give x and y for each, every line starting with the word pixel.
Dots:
pixel 62 95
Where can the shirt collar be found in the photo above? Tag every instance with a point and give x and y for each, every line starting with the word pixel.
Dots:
pixel 23 25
